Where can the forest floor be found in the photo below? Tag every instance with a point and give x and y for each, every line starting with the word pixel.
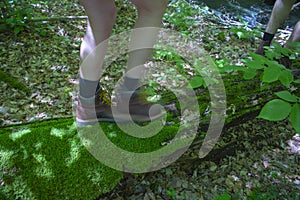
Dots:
pixel 48 66
pixel 265 169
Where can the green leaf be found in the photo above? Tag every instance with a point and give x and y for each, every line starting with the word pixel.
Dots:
pixel 295 117
pixel 249 73
pixel 240 34
pixel 275 65
pixel 275 110
pixel 259 59
pixel 281 50
pixel 297 81
pixel 271 74
pixel 18 29
pixel 196 82
pixel 150 91
pixel 43 32
pixel 286 77
pixel 255 65
pixel 286 95
pixel 235 67
pixel 294 45
pixel 230 68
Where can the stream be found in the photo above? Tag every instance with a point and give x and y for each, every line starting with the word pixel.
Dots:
pixel 255 12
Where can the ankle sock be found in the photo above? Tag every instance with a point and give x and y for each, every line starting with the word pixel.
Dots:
pixel 88 88
pixel 268 36
pixel 130 83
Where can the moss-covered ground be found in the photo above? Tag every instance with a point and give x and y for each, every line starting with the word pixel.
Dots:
pixel 47 160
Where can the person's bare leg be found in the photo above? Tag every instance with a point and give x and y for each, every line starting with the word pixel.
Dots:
pixel 142 40
pixel 102 15
pixel 280 12
pixel 90 109
pixel 150 14
pixel 295 36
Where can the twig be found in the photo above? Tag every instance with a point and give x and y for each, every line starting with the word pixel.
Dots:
pixel 58 18
pixel 295 5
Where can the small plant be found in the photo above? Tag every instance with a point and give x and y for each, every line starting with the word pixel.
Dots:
pixel 171 193
pixel 279 109
pixel 15 14
pixel 244 32
pixel 196 72
pixel 287 103
pixel 272 193
pixel 181 15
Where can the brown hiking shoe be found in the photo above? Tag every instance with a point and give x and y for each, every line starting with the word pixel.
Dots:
pixel 89 111
pixel 260 50
pixel 139 109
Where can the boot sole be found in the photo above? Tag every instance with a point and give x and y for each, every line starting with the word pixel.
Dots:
pixel 123 118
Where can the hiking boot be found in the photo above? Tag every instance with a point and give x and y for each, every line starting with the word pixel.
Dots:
pixel 260 50
pixel 89 111
pixel 139 109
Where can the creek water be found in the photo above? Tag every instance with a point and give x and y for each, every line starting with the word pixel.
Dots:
pixel 254 12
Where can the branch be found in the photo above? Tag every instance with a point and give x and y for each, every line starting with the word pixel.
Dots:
pixel 295 5
pixel 61 18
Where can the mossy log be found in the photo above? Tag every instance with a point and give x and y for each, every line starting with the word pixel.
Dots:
pixel 13 82
pixel 244 102
pixel 242 97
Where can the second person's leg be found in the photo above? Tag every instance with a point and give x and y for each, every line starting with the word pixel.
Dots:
pixel 295 36
pixel 145 32
pixel 280 12
pixel 142 40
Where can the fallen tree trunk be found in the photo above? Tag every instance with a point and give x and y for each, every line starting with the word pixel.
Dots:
pixel 245 99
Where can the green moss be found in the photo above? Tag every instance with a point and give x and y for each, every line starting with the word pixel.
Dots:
pixel 139 145
pixel 47 160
